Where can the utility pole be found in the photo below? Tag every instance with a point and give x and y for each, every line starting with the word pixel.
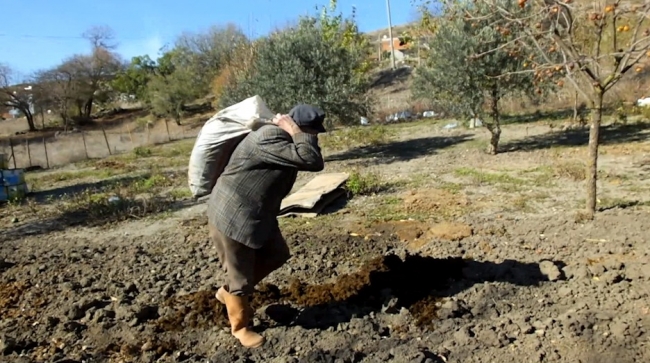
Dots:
pixel 390 35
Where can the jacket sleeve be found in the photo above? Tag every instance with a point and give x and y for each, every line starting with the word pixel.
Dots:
pixel 275 146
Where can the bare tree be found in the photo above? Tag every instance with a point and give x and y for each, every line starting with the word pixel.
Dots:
pixel 12 95
pixel 90 73
pixel 60 87
pixel 591 44
pixel 206 53
pixel 101 36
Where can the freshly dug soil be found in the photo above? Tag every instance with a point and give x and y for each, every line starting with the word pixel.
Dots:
pixel 412 283
pixel 542 289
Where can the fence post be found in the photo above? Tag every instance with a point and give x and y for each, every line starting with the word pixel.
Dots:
pixel 29 153
pixel 13 155
pixel 107 145
pixel 130 136
pixel 169 137
pixel 83 137
pixel 47 158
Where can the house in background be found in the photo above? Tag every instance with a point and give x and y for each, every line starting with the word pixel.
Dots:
pixel 402 51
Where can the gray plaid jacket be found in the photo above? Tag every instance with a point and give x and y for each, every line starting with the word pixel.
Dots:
pixel 245 202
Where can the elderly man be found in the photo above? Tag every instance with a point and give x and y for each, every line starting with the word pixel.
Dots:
pixel 245 202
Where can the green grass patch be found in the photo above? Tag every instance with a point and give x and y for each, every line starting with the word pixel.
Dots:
pixel 93 208
pixel 356 137
pixel 453 188
pixel 68 175
pixel 482 177
pixel 142 152
pixel 390 208
pixel 180 193
pixel 418 180
pixel 507 182
pixel 360 183
pixel 182 149
pixel 572 170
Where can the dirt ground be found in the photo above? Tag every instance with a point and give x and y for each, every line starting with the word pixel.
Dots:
pixel 461 257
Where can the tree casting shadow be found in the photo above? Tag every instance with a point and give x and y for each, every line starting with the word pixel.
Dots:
pixel 416 283
pixel 400 150
pixel 609 135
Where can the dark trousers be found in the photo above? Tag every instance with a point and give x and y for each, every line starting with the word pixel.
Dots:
pixel 245 267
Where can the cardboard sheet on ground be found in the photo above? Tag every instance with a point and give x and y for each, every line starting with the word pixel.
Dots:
pixel 313 197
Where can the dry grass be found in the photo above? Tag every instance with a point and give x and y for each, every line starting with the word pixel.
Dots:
pixel 573 170
pixel 117 198
pixel 69 148
pixel 501 180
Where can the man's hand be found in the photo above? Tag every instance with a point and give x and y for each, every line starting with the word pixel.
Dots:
pixel 286 123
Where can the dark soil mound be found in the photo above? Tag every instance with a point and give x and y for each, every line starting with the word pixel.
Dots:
pixel 385 283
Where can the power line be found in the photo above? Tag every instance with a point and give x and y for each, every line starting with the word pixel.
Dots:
pixel 61 37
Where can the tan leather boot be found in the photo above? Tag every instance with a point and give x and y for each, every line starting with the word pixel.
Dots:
pixel 220 295
pixel 239 314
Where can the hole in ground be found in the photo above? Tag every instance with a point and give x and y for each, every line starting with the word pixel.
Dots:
pixel 387 284
pixel 410 281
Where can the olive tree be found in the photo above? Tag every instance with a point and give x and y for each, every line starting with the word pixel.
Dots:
pixel 321 61
pixel 462 75
pixel 171 87
pixel 135 76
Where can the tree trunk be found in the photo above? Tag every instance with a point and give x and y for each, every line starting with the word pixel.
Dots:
pixel 64 118
pixel 592 161
pixel 575 107
pixel 30 121
pixel 495 126
pixel 88 108
pixel 177 114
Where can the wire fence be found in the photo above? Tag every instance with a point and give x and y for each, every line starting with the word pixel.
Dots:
pixel 62 148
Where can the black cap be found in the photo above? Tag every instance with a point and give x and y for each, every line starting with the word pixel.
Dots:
pixel 309 116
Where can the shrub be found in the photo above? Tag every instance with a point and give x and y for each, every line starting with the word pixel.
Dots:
pixel 305 64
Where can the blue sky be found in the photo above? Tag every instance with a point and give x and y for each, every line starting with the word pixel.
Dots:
pixel 37 34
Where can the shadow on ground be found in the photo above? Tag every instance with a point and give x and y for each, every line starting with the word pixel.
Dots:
pixel 50 195
pixel 400 150
pixel 610 134
pixel 389 284
pixel 390 77
pixel 90 210
pixel 97 214
pixel 385 284
pixel 554 115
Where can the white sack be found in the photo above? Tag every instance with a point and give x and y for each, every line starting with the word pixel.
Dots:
pixel 218 138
